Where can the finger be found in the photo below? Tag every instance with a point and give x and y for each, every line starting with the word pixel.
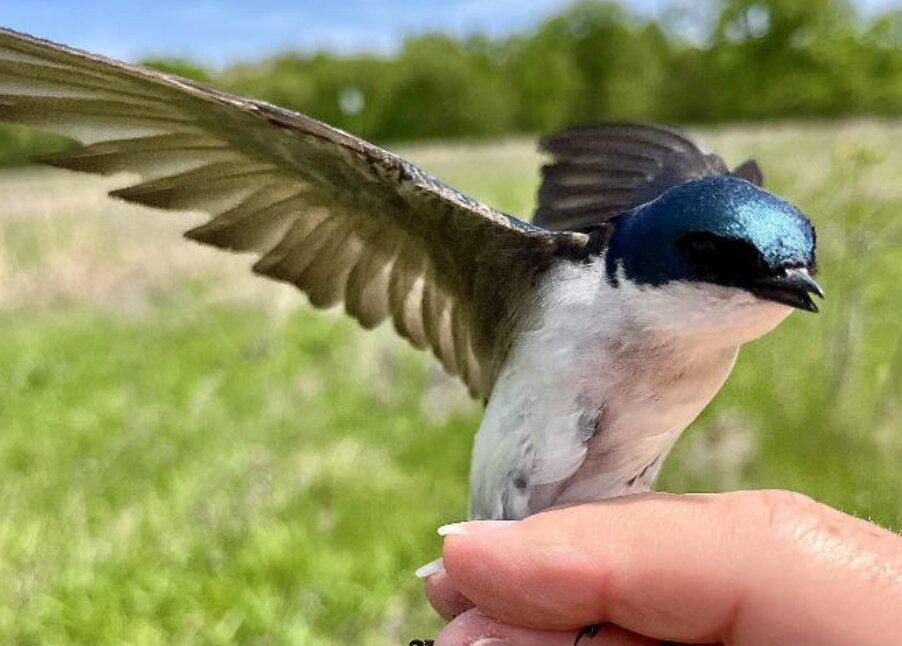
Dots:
pixel 444 597
pixel 473 628
pixel 447 601
pixel 748 567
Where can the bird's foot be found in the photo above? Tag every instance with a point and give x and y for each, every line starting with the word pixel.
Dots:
pixel 588 631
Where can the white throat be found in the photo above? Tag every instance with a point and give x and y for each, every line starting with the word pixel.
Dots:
pixel 703 313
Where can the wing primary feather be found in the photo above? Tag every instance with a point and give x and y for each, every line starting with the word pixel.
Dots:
pixel 321 279
pixel 29 49
pixel 88 128
pixel 405 293
pixel 577 137
pixel 478 381
pixel 295 252
pixel 214 187
pixel 366 292
pixel 330 289
pixel 595 175
pixel 435 309
pixel 24 108
pixel 257 224
pixel 32 77
pixel 460 342
pixel 150 157
pixel 431 306
pixel 445 347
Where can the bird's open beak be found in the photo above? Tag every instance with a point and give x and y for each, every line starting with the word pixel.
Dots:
pixel 793 287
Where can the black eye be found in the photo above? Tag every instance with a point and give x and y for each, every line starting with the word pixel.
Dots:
pixel 721 260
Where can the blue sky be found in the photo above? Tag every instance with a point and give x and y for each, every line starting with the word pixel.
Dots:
pixel 228 30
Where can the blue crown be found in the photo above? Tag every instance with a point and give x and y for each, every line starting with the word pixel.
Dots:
pixel 645 239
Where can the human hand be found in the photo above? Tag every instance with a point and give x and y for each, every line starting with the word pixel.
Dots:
pixel 743 568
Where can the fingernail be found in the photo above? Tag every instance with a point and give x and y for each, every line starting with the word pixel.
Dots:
pixel 492 641
pixel 433 567
pixel 473 527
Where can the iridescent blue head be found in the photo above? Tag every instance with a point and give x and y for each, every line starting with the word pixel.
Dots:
pixel 721 230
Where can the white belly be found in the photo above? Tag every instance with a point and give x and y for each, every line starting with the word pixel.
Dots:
pixel 588 403
pixel 594 428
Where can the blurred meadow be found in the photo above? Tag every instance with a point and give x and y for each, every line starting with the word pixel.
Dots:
pixel 192 455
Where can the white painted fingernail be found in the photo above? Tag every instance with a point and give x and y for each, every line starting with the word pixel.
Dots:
pixel 433 567
pixel 455 529
pixel 473 527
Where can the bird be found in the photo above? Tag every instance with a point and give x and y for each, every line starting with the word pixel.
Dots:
pixel 594 335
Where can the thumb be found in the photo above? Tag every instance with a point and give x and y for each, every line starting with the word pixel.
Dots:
pixel 756 567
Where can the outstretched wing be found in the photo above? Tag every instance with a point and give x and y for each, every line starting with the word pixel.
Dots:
pixel 602 170
pixel 341 219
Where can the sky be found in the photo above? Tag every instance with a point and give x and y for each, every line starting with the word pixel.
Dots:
pixel 217 33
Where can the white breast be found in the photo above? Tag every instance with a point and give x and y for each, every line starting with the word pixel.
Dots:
pixel 600 383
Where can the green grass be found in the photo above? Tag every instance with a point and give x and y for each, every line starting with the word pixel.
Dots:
pixel 203 476
pixel 190 455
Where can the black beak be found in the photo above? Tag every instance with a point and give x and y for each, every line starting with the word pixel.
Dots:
pixel 793 287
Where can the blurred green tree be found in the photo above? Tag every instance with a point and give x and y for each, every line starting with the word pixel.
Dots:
pixel 442 89
pixel 774 58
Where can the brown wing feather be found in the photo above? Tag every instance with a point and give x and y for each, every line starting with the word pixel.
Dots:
pixel 601 170
pixel 338 217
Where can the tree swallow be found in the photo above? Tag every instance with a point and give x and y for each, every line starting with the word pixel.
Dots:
pixel 595 335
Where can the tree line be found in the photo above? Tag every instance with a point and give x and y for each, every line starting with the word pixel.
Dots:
pixel 715 61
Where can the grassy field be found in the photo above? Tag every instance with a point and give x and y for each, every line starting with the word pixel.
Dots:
pixel 191 455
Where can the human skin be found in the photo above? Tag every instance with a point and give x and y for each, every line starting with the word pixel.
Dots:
pixel 749 568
